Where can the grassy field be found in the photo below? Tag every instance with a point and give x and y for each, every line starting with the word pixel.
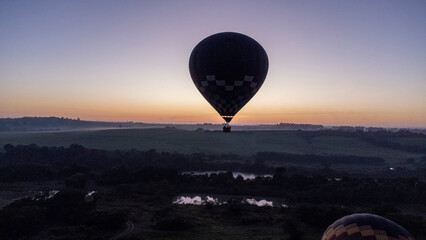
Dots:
pixel 213 142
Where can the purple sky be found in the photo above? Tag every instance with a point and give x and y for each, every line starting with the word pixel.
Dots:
pixel 331 62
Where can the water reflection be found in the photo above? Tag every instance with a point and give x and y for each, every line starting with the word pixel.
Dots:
pixel 89 194
pixel 261 203
pixel 44 195
pixel 245 175
pixel 199 199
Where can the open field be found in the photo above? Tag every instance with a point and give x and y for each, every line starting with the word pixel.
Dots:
pixel 216 142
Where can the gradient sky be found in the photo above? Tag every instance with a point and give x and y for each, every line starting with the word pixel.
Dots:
pixel 331 62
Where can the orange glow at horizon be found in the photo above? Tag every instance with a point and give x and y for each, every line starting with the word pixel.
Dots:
pixel 202 112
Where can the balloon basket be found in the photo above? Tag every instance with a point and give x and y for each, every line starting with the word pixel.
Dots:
pixel 226 128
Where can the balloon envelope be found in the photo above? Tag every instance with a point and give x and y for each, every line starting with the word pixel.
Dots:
pixel 365 226
pixel 228 69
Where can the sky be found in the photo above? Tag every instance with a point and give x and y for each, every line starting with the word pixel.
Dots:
pixel 330 62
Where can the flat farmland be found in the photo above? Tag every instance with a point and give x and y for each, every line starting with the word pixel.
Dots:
pixel 214 142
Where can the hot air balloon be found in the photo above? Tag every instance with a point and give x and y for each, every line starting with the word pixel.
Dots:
pixel 365 226
pixel 228 69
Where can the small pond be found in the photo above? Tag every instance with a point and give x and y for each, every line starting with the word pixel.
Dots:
pixel 245 175
pixel 216 199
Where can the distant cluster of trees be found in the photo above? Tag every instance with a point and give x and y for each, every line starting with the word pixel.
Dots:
pixel 60 159
pixel 318 159
pixel 77 166
pixel 295 126
pixel 26 124
pixel 382 138
pixel 18 163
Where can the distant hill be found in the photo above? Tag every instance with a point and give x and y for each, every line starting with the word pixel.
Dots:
pixel 56 124
pixel 41 124
pixel 48 124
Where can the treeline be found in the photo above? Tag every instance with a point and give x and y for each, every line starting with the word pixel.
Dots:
pixel 382 138
pixel 77 166
pixel 318 159
pixel 295 126
pixel 34 163
pixel 25 124
pixel 17 163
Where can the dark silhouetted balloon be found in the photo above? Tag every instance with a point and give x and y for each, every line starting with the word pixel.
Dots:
pixel 228 69
pixel 365 226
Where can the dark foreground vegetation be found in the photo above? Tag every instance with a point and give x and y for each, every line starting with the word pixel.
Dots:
pixel 34 163
pixel 135 190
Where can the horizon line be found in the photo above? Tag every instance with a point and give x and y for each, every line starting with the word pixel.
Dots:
pixel 204 123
